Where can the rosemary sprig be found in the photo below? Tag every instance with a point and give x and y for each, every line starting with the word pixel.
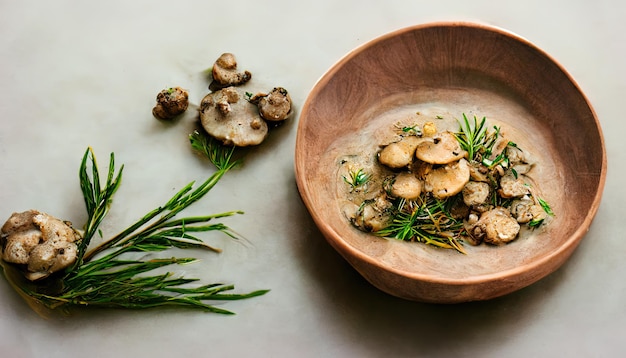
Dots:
pixel 357 178
pixel 426 220
pixel 107 277
pixel 472 136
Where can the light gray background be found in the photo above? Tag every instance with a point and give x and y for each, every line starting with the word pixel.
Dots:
pixel 85 73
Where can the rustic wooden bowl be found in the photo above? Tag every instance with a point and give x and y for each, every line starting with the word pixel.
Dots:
pixel 456 66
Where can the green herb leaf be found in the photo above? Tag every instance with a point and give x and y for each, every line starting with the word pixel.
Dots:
pixel 546 207
pixel 107 276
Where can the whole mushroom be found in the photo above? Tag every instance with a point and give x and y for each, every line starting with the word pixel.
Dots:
pixel 448 180
pixel 225 73
pixel 40 242
pixel 232 120
pixel 399 154
pixel 441 148
pixel 171 102
pixel 275 106
pixel 495 227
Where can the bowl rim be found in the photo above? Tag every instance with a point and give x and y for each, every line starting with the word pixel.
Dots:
pixel 344 247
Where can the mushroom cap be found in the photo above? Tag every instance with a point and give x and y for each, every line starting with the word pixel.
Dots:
pixel 476 193
pixel 225 71
pixel 406 185
pixel 231 120
pixel 448 180
pixel 441 148
pixel 399 154
pixel 276 106
pixel 499 226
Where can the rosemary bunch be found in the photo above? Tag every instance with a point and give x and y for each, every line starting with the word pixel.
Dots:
pixel 106 277
pixel 427 220
pixel 475 139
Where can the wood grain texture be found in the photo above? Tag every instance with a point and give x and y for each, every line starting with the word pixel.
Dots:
pixel 496 73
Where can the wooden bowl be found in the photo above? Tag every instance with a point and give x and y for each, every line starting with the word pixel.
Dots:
pixel 459 67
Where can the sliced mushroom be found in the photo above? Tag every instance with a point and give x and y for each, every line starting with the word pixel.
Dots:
pixel 399 154
pixel 275 106
pixel 171 102
pixel 524 210
pixel 407 186
pixel 441 148
pixel 371 215
pixel 225 72
pixel 512 186
pixel 448 180
pixel 496 227
pixel 231 120
pixel 475 193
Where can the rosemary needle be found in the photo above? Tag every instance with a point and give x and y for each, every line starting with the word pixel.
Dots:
pixel 106 277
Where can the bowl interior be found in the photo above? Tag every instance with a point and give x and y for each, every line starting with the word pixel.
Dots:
pixel 456 68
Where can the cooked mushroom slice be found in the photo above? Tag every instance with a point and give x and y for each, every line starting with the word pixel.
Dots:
pixel 225 72
pixel 512 186
pixel 170 103
pixel 371 215
pixel 524 210
pixel 43 243
pixel 231 120
pixel 399 154
pixel 475 193
pixel 448 180
pixel 441 148
pixel 275 106
pixel 479 172
pixel 407 186
pixel 496 227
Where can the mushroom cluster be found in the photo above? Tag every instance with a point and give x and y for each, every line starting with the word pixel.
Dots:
pixel 236 117
pixel 434 163
pixel 491 199
pixel 229 113
pixel 40 243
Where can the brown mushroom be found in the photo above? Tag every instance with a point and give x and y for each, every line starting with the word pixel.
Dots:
pixel 448 180
pixel 406 185
pixel 43 243
pixel 525 210
pixel 512 186
pixel 496 227
pixel 171 102
pixel 371 215
pixel 275 106
pixel 441 148
pixel 225 73
pixel 232 120
pixel 476 193
pixel 399 154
